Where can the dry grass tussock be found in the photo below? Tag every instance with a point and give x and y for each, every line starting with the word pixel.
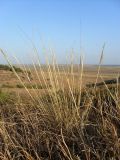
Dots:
pixel 72 123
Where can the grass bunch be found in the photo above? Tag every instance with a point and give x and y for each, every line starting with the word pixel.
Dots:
pixel 64 122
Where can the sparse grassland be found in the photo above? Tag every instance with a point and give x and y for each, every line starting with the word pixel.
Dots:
pixel 54 116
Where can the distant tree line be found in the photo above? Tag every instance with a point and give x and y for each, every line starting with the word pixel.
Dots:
pixel 8 68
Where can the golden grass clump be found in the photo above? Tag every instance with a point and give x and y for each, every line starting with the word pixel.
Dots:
pixel 63 122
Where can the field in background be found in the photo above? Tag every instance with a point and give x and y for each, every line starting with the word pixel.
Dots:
pixel 39 81
pixel 31 78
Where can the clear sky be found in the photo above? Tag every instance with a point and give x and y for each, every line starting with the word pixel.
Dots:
pixel 62 25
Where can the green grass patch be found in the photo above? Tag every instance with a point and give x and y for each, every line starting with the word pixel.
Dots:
pixel 4 97
pixel 31 86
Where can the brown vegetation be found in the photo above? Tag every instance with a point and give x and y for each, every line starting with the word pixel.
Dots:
pixel 63 120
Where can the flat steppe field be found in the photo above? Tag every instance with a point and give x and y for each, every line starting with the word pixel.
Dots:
pixel 62 73
pixel 62 76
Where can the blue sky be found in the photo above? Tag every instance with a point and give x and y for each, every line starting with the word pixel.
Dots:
pixel 62 25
